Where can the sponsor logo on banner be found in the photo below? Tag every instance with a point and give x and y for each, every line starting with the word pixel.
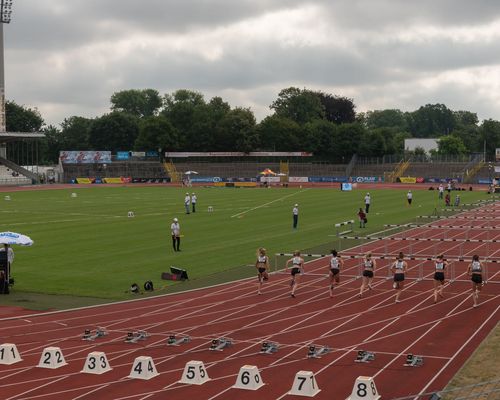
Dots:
pixel 169 154
pixel 216 179
pixel 138 154
pixel 122 155
pixel 298 179
pixel 84 181
pixel 113 180
pixel 497 169
pixel 270 179
pixel 327 179
pixel 202 179
pixel 85 157
pixel 152 153
pixel 407 179
pixel 361 179
pixel 420 180
pixel 484 181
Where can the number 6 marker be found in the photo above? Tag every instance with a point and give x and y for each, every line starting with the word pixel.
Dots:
pixel 249 378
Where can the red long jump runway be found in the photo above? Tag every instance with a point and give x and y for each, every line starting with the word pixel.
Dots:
pixel 445 334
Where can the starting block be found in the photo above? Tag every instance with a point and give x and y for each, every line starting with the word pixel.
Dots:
pixel 177 341
pixel 134 337
pixel 210 209
pixel 364 356
pixel 413 361
pixel 220 344
pixel 269 348
pixel 315 351
pixel 131 214
pixel 99 332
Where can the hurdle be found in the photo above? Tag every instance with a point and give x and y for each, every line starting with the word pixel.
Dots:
pixel 277 255
pixel 349 224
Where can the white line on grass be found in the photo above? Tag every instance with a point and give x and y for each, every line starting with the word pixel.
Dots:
pixel 266 204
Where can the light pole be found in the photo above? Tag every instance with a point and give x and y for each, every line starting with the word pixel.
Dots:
pixel 5 12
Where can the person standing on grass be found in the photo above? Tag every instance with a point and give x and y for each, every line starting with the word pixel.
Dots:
pixel 447 200
pixel 262 265
pixel 295 214
pixel 362 218
pixel 175 229
pixel 368 201
pixel 187 202
pixel 398 269
pixel 194 199
pixel 297 269
pixel 409 197
pixel 475 272
pixel 336 264
pixel 369 266
pixel 440 265
pixel 441 191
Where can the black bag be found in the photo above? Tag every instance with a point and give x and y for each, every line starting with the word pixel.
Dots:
pixel 365 220
pixel 148 286
pixel 134 288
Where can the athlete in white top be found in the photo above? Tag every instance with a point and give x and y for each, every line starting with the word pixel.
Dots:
pixel 369 266
pixel 409 197
pixel 336 264
pixel 398 268
pixel 440 265
pixel 297 269
pixel 475 272
pixel 262 265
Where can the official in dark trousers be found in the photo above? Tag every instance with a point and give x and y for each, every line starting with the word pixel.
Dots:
pixel 295 213
pixel 194 199
pixel 175 229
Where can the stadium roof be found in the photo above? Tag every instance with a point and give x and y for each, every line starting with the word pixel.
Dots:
pixel 15 136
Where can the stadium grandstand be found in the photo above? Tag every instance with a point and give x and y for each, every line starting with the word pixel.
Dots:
pixel 19 158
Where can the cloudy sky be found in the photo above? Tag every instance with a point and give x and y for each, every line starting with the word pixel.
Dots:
pixel 67 57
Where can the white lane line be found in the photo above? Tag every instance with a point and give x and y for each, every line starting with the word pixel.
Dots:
pixel 266 204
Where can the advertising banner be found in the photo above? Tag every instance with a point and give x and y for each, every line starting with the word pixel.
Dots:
pixel 113 180
pixel 85 157
pixel 173 154
pixel 497 169
pixel 203 179
pixel 298 179
pixel 84 181
pixel 151 154
pixel 367 179
pixel 328 179
pixel 407 179
pixel 138 154
pixel 497 154
pixel 122 155
pixel 270 179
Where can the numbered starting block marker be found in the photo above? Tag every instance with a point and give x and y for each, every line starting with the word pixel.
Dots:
pixel 134 337
pixel 220 344
pixel 413 361
pixel 52 357
pixel 364 389
pixel 249 378
pixel 74 195
pixel 96 363
pixel 194 373
pixel 177 341
pixel 315 351
pixel 364 356
pixel 143 368
pixel 99 332
pixel 304 384
pixel 9 354
pixel 269 348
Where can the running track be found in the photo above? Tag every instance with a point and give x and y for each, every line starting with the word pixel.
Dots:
pixel 445 334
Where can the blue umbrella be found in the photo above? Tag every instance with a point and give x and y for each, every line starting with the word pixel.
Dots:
pixel 15 238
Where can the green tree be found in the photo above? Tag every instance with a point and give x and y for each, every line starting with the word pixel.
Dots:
pixel 298 105
pixel 320 136
pixel 236 131
pixel 337 109
pixel 156 132
pixel 21 118
pixel 279 134
pixel 141 103
pixel 390 118
pixel 432 120
pixel 451 145
pixel 348 140
pixel 490 136
pixel 74 133
pixel 114 132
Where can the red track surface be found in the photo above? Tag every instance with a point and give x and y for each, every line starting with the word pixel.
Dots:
pixel 445 334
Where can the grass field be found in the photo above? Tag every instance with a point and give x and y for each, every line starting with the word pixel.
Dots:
pixel 87 246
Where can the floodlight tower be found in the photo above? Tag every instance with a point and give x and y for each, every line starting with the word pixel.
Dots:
pixel 5 12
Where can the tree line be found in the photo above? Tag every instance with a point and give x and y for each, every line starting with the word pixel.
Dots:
pixel 301 120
